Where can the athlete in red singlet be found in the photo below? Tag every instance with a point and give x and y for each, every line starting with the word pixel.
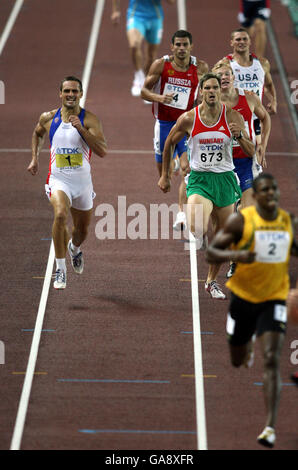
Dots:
pixel 171 85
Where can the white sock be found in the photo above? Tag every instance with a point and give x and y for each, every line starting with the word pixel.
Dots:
pixel 75 249
pixel 60 264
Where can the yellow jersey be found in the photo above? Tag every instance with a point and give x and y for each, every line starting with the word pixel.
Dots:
pixel 267 278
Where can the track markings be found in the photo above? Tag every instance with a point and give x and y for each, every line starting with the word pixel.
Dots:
pixel 35 373
pixel 130 381
pixel 26 390
pixel 133 431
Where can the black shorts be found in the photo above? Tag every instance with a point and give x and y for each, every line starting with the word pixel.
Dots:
pixel 250 10
pixel 245 319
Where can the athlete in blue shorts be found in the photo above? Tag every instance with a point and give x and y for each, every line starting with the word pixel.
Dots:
pixel 144 23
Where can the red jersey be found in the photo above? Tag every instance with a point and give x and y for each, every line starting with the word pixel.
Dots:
pixel 243 108
pixel 184 85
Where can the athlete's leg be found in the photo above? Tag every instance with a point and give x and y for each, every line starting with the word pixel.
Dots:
pixel 61 204
pixel 246 199
pixel 218 217
pixel 260 36
pixel 81 221
pixel 199 210
pixel 150 55
pixel 135 40
pixel 272 343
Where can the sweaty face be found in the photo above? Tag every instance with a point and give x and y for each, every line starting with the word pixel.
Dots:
pixel 227 78
pixel 240 42
pixel 211 91
pixel 70 94
pixel 181 48
pixel 267 194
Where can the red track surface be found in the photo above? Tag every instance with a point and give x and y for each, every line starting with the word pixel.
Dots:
pixel 129 316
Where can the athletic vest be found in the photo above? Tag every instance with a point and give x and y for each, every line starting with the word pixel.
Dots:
pixel 70 155
pixel 267 278
pixel 250 78
pixel 184 85
pixel 243 108
pixel 210 147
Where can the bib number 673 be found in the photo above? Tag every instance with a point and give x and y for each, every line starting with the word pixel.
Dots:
pixel 208 157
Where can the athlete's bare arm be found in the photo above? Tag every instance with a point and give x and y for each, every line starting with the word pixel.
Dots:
pixel 269 90
pixel 202 68
pixel 219 249
pixel 259 110
pixel 91 132
pixel 41 129
pixel 182 127
pixel 237 127
pixel 152 78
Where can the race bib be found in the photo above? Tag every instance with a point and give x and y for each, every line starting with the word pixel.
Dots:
pixel 271 246
pixel 69 160
pixel 181 95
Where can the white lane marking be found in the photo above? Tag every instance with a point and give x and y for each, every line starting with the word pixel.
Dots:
pixel 182 24
pixel 10 23
pixel 25 396
pixel 199 379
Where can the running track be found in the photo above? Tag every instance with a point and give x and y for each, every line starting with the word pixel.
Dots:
pixel 115 365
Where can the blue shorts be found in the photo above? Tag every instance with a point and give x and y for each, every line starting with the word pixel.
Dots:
pixel 247 169
pixel 161 132
pixel 150 29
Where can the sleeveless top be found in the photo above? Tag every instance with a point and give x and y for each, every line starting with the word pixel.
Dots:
pixel 184 86
pixel 251 78
pixel 210 147
pixel 267 278
pixel 243 108
pixel 70 154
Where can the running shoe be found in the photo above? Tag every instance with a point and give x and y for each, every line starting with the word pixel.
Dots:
pixel 60 279
pixel 180 222
pixel 77 261
pixel 231 270
pixel 267 437
pixel 214 290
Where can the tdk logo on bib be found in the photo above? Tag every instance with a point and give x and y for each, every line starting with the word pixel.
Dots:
pixel 67 150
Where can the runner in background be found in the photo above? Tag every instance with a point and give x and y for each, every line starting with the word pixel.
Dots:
pixel 172 86
pixel 144 25
pixel 253 15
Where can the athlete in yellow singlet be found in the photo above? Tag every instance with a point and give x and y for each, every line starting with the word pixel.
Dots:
pixel 260 240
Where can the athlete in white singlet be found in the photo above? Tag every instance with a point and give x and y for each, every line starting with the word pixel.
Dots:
pixel 212 184
pixel 248 73
pixel 74 133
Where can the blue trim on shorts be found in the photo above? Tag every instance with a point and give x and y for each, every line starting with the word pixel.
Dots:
pixel 180 148
pixel 243 169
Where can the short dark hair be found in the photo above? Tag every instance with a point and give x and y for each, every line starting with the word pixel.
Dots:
pixel 71 78
pixel 260 177
pixel 239 30
pixel 207 76
pixel 181 33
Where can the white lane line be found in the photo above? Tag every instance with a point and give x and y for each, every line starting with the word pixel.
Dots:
pixel 10 22
pixel 25 396
pixel 182 24
pixel 199 379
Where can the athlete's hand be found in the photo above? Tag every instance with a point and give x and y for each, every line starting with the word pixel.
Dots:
pixel 244 256
pixel 33 167
pixel 272 107
pixel 164 183
pixel 166 99
pixel 115 17
pixel 261 158
pixel 235 129
pixel 75 122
